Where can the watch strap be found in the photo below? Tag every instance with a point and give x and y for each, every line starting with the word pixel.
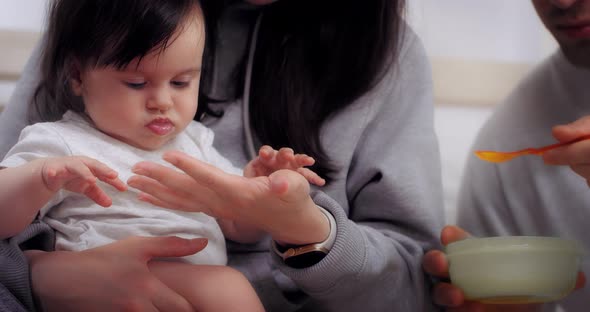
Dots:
pixel 300 256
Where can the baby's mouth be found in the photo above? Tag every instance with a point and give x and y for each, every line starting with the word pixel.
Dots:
pixel 161 126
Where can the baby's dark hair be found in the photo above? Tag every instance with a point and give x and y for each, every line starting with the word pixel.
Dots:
pixel 100 33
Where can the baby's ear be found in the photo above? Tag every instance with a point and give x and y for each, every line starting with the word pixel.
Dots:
pixel 75 78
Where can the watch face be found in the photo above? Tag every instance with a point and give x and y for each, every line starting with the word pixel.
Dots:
pixel 305 260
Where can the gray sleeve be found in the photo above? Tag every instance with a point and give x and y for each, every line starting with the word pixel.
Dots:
pixel 15 286
pixel 15 115
pixel 395 196
pixel 8 302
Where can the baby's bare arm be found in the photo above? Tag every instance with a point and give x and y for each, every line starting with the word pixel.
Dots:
pixel 22 194
pixel 240 232
pixel 208 287
pixel 27 188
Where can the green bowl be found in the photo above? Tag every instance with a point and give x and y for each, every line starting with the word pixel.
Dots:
pixel 514 269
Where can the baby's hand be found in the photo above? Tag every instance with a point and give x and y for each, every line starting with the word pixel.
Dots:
pixel 270 160
pixel 79 174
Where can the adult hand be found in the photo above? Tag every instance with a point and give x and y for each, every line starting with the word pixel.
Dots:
pixel 574 155
pixel 278 204
pixel 113 277
pixel 447 295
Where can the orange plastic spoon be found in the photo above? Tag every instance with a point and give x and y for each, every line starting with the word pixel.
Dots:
pixel 497 157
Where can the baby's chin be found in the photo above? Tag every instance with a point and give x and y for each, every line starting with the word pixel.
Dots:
pixel 149 144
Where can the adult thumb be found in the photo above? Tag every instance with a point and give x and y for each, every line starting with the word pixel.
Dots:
pixel 572 130
pixel 171 246
pixel 288 184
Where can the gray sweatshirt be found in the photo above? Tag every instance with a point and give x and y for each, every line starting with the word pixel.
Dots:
pixel 525 196
pixel 386 199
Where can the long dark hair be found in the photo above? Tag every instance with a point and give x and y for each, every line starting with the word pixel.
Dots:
pixel 314 58
pixel 99 33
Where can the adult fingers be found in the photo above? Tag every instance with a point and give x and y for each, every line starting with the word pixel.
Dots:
pixel 289 185
pixel 174 203
pixel 572 130
pixel 154 192
pixel 163 175
pixel 452 233
pixel 201 172
pixel 155 201
pixel 155 247
pixel 472 306
pixel 435 263
pixel 574 154
pixel 448 295
pixel 582 170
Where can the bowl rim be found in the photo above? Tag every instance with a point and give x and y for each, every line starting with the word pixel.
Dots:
pixel 514 243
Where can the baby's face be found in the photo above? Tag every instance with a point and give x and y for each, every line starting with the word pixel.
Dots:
pixel 150 101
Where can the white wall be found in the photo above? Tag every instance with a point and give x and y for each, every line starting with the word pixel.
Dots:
pixel 27 15
pixel 479 49
pixel 17 16
pixel 506 30
pixel 497 30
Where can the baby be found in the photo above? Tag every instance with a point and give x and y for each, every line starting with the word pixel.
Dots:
pixel 124 77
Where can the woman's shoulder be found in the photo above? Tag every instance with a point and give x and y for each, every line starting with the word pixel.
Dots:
pixel 410 45
pixel 410 56
pixel 406 75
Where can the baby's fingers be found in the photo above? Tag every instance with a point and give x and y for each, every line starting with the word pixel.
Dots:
pixel 57 175
pixel 116 183
pixel 303 160
pixel 98 195
pixel 267 153
pixel 82 176
pixel 311 176
pixel 104 173
pixel 285 156
pixel 99 169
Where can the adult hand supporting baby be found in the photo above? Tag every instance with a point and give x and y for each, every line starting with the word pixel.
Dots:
pixel 113 277
pixel 447 295
pixel 279 204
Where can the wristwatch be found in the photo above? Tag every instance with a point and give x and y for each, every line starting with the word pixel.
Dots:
pixel 303 256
